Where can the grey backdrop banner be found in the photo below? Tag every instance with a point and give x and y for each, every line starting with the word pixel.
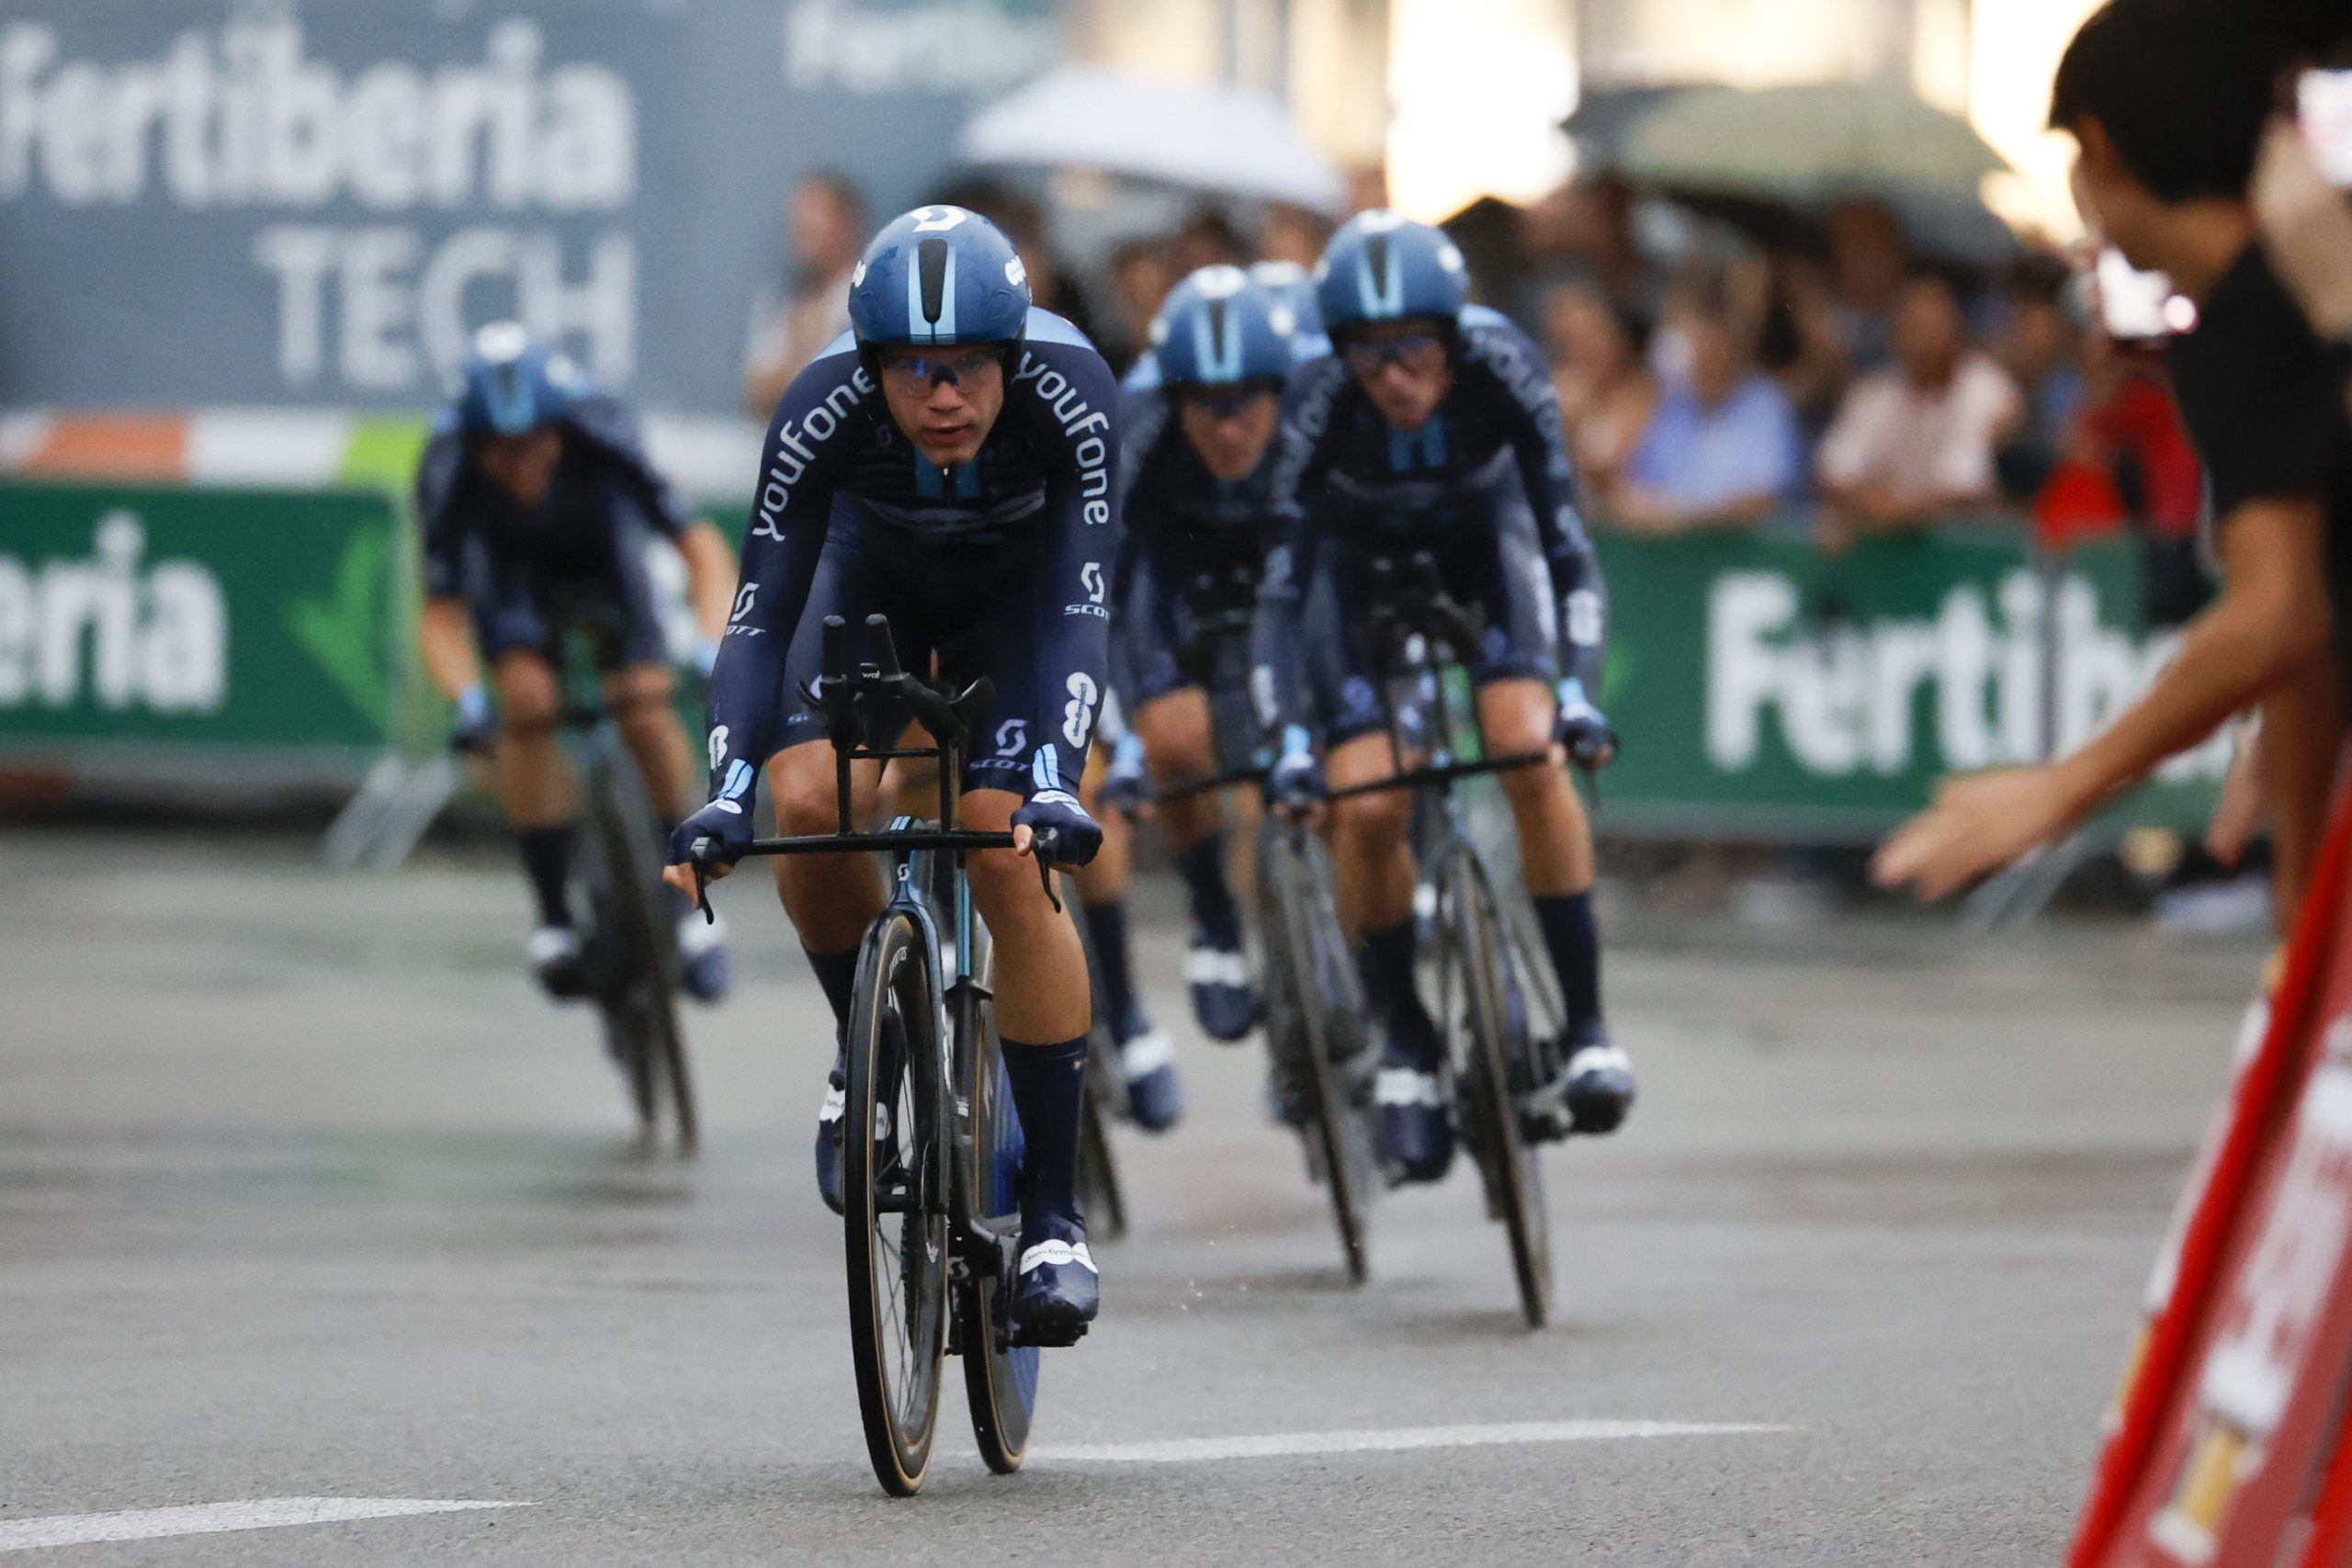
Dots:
pixel 310 202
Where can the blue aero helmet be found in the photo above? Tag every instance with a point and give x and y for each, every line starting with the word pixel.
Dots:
pixel 511 382
pixel 1219 329
pixel 1384 266
pixel 1291 284
pixel 937 277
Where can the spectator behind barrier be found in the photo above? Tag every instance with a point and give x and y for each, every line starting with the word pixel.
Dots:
pixel 1142 272
pixel 1600 371
pixel 1916 441
pixel 1723 449
pixel 2041 348
pixel 793 321
pixel 1869 261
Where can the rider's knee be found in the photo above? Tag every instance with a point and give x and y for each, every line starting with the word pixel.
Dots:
pixel 1527 787
pixel 806 807
pixel 1008 890
pixel 1519 727
pixel 1373 822
pixel 646 697
pixel 527 696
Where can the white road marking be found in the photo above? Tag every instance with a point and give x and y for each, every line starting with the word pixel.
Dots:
pixel 210 1518
pixel 1275 1445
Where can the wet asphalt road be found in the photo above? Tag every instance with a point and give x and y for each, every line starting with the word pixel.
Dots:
pixel 304 1195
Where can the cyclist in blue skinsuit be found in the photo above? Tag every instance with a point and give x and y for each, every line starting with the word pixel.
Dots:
pixel 947 463
pixel 1201 404
pixel 537 503
pixel 1204 406
pixel 1433 427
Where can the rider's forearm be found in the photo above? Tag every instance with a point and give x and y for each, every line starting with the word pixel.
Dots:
pixel 445 639
pixel 710 576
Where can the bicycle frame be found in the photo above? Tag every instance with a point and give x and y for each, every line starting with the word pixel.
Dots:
pixel 837 698
pixel 1418 630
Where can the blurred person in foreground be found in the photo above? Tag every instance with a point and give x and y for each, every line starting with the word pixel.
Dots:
pixel 1916 442
pixel 1601 374
pixel 827 222
pixel 1433 426
pixel 947 465
pixel 537 503
pixel 2167 104
pixel 1723 448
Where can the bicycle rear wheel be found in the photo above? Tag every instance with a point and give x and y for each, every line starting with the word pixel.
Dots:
pixel 642 947
pixel 1000 1378
pixel 1479 1023
pixel 1314 1018
pixel 893 1201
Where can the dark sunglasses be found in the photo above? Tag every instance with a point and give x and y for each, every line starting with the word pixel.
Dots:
pixel 1228 402
pixel 950 366
pixel 1366 356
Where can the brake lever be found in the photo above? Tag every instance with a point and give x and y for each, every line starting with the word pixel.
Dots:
pixel 1041 850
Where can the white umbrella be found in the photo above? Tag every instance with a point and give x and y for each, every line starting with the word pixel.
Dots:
pixel 1205 135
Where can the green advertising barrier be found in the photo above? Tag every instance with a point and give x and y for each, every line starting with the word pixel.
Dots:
pixel 1763 688
pixel 170 621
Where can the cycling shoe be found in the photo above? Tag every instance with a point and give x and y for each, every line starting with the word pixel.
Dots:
pixel 1056 1291
pixel 558 962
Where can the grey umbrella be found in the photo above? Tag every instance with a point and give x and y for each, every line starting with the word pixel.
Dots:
pixel 1806 142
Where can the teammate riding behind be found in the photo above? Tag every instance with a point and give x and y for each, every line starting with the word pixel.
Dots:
pixel 1203 408
pixel 537 502
pixel 1433 428
pixel 946 464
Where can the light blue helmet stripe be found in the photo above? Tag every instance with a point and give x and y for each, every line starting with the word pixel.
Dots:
pixel 1217 362
pixel 1384 296
pixel 917 329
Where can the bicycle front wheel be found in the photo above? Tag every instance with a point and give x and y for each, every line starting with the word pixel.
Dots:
pixel 893 1201
pixel 1315 1021
pixel 1474 982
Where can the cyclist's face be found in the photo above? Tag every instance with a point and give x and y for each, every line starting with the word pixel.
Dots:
pixel 1403 368
pixel 946 399
pixel 1230 427
pixel 523 465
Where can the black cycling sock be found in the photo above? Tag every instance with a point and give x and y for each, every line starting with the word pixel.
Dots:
pixel 1385 958
pixel 1202 867
pixel 837 976
pixel 1106 927
pixel 1575 947
pixel 547 856
pixel 1048 1091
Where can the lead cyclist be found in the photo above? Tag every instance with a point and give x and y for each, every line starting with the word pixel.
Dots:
pixel 946 464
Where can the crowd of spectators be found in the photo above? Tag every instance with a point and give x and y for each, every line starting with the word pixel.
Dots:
pixel 1816 372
